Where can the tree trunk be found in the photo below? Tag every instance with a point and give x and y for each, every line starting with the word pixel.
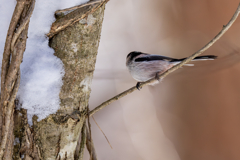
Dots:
pixel 59 135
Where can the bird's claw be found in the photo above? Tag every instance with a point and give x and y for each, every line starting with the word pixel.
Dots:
pixel 138 86
pixel 157 77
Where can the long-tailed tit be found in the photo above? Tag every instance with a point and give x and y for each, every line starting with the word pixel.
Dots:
pixel 144 66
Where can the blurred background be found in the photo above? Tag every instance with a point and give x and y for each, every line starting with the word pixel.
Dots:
pixel 194 113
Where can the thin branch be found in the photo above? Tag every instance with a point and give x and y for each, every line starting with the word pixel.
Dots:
pixel 90 147
pixel 15 89
pixel 79 6
pixel 90 132
pixel 22 25
pixel 6 56
pixel 11 68
pixel 83 141
pixel 8 117
pixel 209 44
pixel 9 147
pixel 102 132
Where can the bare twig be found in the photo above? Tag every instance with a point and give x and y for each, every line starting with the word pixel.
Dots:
pixel 11 69
pixel 6 55
pixel 90 132
pixel 8 117
pixel 79 6
pixel 22 25
pixel 9 147
pixel 209 44
pixel 15 89
pixel 102 132
pixel 90 147
pixel 83 141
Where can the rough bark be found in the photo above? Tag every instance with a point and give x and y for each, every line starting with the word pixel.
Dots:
pixel 57 136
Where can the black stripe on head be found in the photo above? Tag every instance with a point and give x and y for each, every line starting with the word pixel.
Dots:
pixel 153 58
pixel 133 55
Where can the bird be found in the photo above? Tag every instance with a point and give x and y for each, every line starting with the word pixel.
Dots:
pixel 143 66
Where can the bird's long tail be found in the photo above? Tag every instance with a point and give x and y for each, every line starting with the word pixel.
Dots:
pixel 199 58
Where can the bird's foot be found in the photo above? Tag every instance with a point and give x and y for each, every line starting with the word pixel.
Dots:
pixel 157 77
pixel 138 86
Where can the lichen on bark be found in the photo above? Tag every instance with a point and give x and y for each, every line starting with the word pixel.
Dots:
pixel 77 47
